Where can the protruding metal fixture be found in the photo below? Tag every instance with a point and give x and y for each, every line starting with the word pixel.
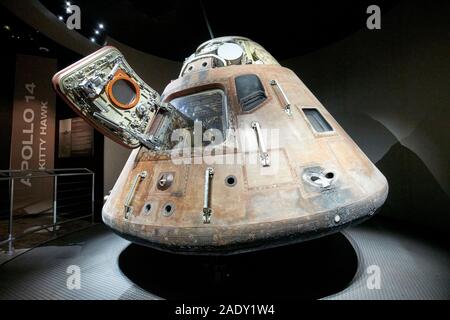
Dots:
pixel 165 180
pixel 337 218
pixel 94 85
pixel 146 141
pixel 128 208
pixel 105 198
pixel 209 173
pixel 287 103
pixel 264 155
pixel 319 177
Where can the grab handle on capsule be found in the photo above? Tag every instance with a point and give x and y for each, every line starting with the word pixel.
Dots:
pixel 207 211
pixel 287 103
pixel 128 208
pixel 264 155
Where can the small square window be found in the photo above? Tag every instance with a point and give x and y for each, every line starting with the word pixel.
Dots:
pixel 317 121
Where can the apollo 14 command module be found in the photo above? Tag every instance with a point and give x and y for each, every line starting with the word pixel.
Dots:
pixel 236 154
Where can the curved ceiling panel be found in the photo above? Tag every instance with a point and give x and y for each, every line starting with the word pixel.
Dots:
pixel 173 29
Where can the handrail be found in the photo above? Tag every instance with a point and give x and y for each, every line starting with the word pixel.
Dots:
pixel 19 174
pixel 12 175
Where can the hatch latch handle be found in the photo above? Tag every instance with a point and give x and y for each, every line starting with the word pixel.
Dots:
pixel 128 208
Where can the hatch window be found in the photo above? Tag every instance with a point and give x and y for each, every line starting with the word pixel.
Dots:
pixel 209 107
pixel 207 110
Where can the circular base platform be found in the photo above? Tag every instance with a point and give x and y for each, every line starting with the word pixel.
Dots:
pixel 334 267
pixel 309 270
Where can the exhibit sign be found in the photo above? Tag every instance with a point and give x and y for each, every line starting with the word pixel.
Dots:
pixel 33 132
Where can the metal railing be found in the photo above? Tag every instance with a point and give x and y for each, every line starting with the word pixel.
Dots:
pixel 12 175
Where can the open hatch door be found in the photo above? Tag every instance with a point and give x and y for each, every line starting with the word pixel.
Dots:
pixel 104 90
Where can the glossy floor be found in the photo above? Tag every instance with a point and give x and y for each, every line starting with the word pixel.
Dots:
pixel 334 267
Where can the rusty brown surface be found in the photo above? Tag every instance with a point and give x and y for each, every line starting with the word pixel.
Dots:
pixel 260 208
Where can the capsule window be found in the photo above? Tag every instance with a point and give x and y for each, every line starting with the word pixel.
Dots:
pixel 209 109
pixel 317 121
pixel 123 91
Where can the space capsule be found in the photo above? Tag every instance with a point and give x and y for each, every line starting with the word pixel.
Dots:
pixel 236 154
